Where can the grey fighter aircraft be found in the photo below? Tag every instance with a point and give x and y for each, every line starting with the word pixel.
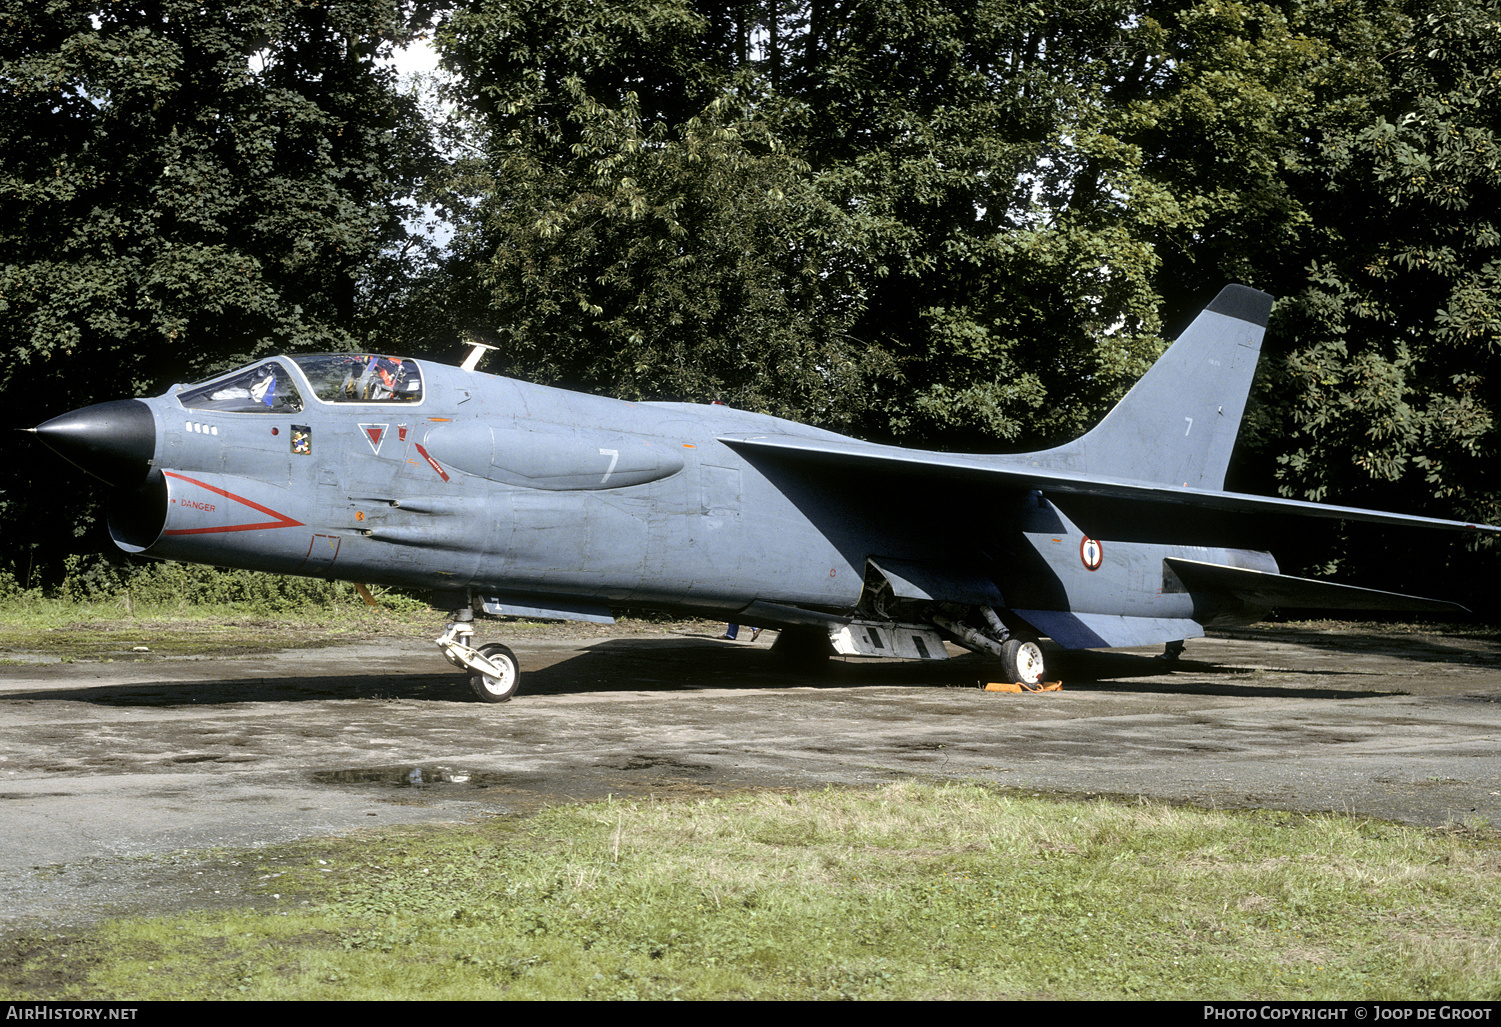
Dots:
pixel 518 499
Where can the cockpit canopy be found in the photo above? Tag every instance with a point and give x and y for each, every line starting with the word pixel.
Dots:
pixel 268 387
pixel 361 378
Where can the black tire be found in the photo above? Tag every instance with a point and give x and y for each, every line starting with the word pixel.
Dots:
pixel 491 689
pixel 1023 662
pixel 805 650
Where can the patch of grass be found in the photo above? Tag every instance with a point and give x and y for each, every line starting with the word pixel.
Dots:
pixel 909 891
pixel 106 612
pixel 102 631
pixel 175 610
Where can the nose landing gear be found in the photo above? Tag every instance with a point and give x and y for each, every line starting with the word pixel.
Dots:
pixel 494 673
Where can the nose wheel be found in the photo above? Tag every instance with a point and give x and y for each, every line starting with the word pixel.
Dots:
pixel 494 673
pixel 497 687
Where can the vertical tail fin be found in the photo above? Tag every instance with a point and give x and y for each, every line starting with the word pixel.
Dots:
pixel 1178 424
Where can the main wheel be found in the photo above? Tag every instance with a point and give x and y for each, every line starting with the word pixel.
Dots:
pixel 493 689
pixel 1022 661
pixel 804 650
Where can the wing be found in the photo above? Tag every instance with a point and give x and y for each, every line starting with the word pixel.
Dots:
pixel 1017 473
pixel 1166 444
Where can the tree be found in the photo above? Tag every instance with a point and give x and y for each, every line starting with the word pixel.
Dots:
pixel 980 204
pixel 188 187
pixel 1399 325
pixel 800 207
pixel 634 223
pixel 1385 375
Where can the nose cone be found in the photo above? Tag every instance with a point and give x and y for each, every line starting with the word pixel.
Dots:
pixel 112 441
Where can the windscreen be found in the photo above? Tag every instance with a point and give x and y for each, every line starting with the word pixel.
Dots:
pixel 261 389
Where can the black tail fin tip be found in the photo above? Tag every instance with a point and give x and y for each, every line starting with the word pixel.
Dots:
pixel 1243 304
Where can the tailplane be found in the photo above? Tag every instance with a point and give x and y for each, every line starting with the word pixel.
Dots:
pixel 1178 424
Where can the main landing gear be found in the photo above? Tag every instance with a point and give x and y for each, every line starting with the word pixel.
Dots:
pixel 1020 655
pixel 494 673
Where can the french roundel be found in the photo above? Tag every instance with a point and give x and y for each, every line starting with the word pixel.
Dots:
pixel 1092 553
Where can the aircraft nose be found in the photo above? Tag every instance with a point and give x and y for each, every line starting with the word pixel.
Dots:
pixel 113 441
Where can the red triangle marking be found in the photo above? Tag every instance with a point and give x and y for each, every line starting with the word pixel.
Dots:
pixel 374 433
pixel 281 521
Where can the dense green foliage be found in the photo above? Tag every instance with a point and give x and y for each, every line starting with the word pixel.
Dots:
pixel 186 187
pixel 167 586
pixel 1395 334
pixel 959 223
pixel 879 186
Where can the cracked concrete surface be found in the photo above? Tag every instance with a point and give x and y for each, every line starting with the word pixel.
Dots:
pixel 104 762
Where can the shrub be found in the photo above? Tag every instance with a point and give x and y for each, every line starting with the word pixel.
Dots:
pixel 95 579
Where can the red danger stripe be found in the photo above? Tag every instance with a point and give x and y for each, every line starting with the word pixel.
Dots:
pixel 433 463
pixel 281 520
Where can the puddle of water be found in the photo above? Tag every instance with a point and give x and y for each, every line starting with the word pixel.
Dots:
pixel 407 776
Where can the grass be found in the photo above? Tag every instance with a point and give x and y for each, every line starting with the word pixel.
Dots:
pixel 172 610
pixel 909 891
pixel 102 612
pixel 104 631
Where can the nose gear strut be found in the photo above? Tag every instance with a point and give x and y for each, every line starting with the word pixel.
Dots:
pixel 456 641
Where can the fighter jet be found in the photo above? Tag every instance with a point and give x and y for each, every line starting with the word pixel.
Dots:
pixel 523 500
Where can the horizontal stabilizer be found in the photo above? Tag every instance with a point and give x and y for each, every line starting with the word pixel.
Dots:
pixel 1261 590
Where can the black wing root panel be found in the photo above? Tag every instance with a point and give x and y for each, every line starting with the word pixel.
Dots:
pixel 936 582
pixel 1261 591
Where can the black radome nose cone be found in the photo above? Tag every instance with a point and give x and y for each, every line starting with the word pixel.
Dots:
pixel 113 441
